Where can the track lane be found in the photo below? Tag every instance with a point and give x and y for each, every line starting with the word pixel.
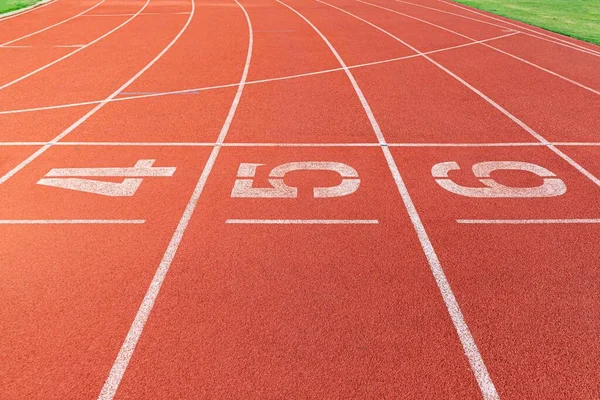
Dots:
pixel 71 295
pixel 528 291
pixel 74 343
pixel 217 297
pixel 540 360
pixel 7 84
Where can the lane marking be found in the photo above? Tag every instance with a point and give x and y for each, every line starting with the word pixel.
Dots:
pixel 144 93
pixel 69 221
pixel 52 26
pixel 574 82
pixel 303 221
pixel 565 43
pixel 244 184
pixel 135 330
pixel 276 31
pixel 81 120
pixel 78 178
pixel 38 46
pixel 233 144
pixel 26 10
pixel 230 85
pixel 528 221
pixel 551 186
pixel 142 14
pixel 43 67
pixel 478 367
pixel 516 120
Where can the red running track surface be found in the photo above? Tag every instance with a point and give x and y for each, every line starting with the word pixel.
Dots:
pixel 296 199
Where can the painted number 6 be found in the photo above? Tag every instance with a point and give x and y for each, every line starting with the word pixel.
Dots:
pixel 551 186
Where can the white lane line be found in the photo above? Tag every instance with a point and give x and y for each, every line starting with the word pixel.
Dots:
pixel 43 67
pixel 574 82
pixel 233 144
pixel 135 330
pixel 230 85
pixel 478 367
pixel 303 221
pixel 69 221
pixel 30 46
pixel 52 26
pixel 554 39
pixel 26 10
pixel 81 120
pixel 276 31
pixel 497 106
pixel 528 221
pixel 142 14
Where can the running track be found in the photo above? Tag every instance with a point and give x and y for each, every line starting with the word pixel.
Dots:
pixel 435 235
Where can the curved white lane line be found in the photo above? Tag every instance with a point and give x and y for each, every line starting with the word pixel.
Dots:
pixel 26 10
pixel 135 331
pixel 43 67
pixel 497 106
pixel 534 33
pixel 574 82
pixel 52 26
pixel 229 85
pixel 81 120
pixel 488 390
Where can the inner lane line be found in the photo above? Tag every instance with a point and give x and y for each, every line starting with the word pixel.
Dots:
pixel 528 221
pixel 303 221
pixel 70 221
pixel 211 144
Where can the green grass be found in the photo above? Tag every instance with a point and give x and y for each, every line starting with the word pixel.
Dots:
pixel 576 18
pixel 12 5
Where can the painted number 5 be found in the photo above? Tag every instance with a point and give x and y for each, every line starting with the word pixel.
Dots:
pixel 550 187
pixel 244 185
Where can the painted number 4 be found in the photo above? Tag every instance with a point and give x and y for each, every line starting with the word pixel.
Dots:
pixel 72 178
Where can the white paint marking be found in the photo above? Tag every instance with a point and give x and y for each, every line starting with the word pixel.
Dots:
pixel 490 47
pixel 212 144
pixel 135 331
pixel 303 221
pixel 69 221
pixel 128 187
pixel 528 221
pixel 229 85
pixel 553 39
pixel 142 14
pixel 471 351
pixel 516 120
pixel 43 67
pixel 52 26
pixel 551 186
pixel 244 185
pixel 143 168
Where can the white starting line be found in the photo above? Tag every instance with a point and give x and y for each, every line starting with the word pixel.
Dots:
pixel 69 221
pixel 303 221
pixel 528 221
